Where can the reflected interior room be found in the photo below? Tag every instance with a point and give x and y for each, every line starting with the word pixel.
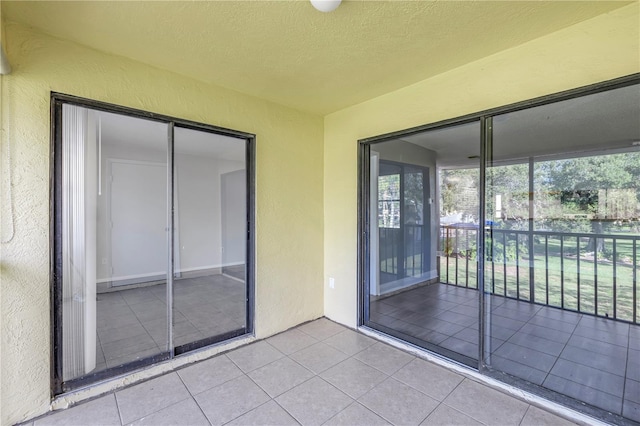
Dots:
pixel 117 220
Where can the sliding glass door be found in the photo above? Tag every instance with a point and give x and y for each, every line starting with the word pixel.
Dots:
pixel 112 247
pixel 533 245
pixel 210 236
pixel 418 233
pixel 152 244
pixel 563 194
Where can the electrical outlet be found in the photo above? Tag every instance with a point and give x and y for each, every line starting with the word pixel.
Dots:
pixel 332 282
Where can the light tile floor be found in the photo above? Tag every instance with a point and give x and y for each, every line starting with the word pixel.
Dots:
pixel 594 360
pixel 319 373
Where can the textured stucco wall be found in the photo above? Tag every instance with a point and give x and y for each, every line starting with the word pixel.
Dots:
pixel 289 193
pixel 598 49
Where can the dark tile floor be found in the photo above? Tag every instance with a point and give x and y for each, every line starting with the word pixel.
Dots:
pixel 594 360
pixel 132 324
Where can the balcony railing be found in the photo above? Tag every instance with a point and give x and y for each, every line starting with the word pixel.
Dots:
pixel 558 269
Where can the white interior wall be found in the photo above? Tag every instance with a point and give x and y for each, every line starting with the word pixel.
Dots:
pixel 233 203
pixel 197 207
pixel 198 229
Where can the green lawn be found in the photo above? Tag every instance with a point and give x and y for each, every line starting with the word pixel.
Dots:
pixel 562 275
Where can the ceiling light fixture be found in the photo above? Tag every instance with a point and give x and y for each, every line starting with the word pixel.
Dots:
pixel 326 5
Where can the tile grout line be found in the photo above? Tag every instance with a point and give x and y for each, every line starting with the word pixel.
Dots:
pixel 300 384
pixel 376 368
pixel 369 391
pixel 548 373
pixel 272 362
pixel 447 405
pixel 572 381
pixel 193 396
pixel 345 408
pixel 525 415
pixel 118 408
pixel 314 375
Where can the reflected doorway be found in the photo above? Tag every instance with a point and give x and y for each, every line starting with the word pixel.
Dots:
pixel 424 210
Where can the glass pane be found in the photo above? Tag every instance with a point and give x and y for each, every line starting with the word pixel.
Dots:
pixel 563 195
pixel 459 218
pixel 425 198
pixel 415 260
pixel 210 237
pixel 389 201
pixel 114 244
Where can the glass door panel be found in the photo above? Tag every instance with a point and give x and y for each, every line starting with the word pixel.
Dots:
pixel 151 239
pixel 210 238
pixel 424 196
pixel 113 215
pixel 563 196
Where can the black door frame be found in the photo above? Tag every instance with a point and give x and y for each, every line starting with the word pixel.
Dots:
pixel 58 385
pixel 486 134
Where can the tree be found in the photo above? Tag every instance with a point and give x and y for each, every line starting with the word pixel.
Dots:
pixel 582 182
pixel 584 194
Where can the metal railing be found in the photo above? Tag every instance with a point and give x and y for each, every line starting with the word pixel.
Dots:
pixel 560 269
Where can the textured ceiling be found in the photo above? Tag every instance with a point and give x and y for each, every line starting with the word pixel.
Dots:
pixel 289 53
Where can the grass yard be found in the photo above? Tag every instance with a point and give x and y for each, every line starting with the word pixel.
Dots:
pixel 562 281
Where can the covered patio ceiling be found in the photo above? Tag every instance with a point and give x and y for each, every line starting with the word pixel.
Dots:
pixel 291 54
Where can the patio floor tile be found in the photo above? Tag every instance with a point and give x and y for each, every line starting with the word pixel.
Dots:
pixel 230 400
pixel 291 341
pixel 184 412
pixel 537 417
pixel 319 357
pixel 314 402
pixel 349 342
pixel 445 415
pixel 384 358
pixel 356 414
pixel 208 373
pixel 353 377
pixel 486 405
pixel 398 403
pixel 421 375
pixel 101 411
pixel 255 355
pixel 321 329
pixel 280 376
pixel 150 396
pixel 269 413
pixel 264 386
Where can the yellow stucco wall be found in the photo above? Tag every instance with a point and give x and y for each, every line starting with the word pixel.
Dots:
pixel 595 50
pixel 306 194
pixel 289 193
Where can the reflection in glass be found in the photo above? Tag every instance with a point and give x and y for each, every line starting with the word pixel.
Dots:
pixel 210 219
pixel 563 198
pixel 424 207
